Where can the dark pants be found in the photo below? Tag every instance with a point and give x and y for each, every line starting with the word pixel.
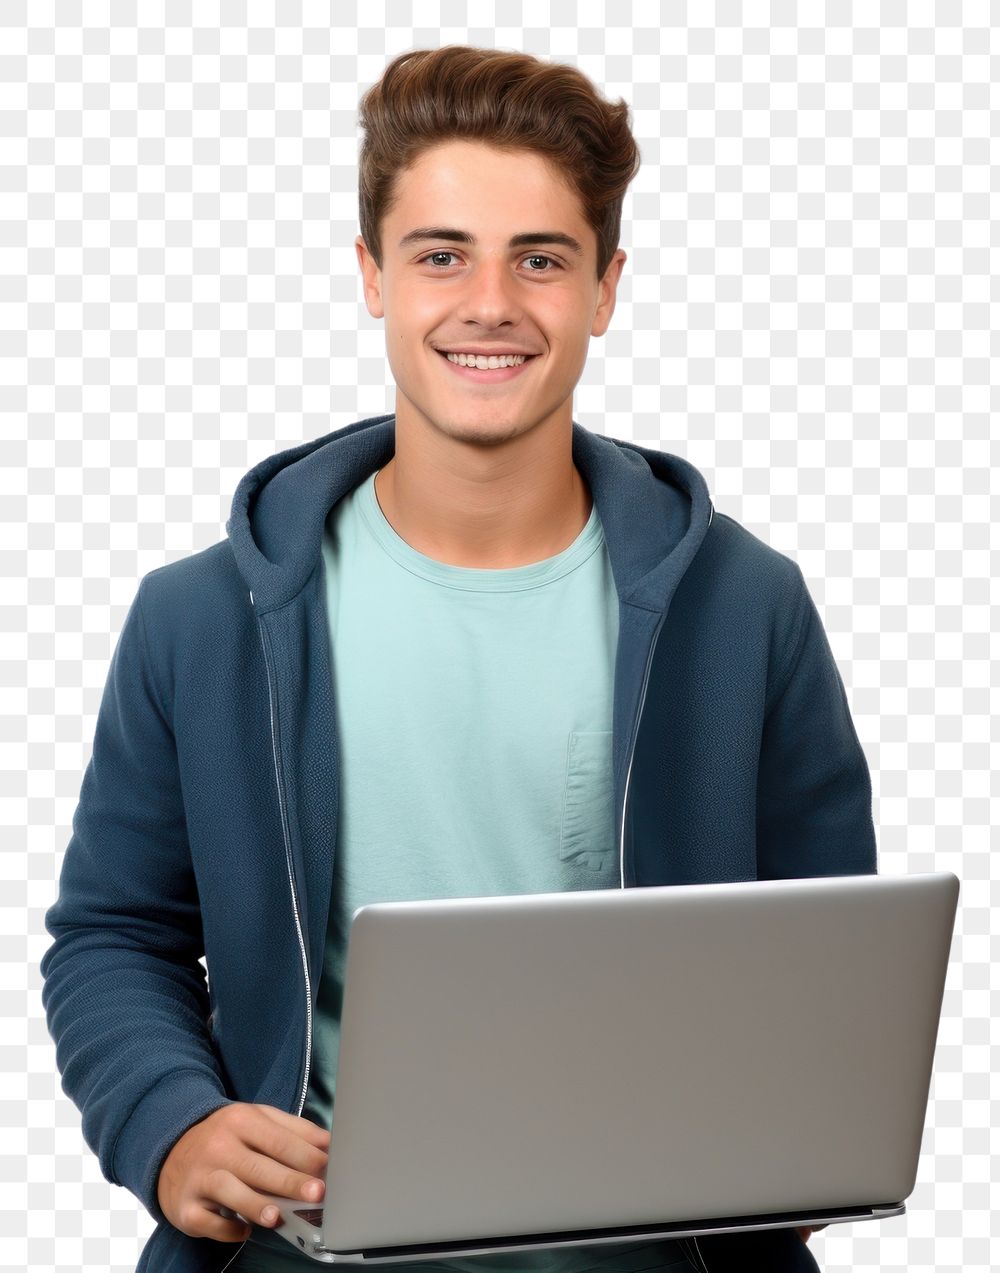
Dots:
pixel 766 1250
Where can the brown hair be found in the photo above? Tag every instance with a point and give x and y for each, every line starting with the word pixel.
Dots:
pixel 511 100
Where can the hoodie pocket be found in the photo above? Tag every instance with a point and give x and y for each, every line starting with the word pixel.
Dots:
pixel 587 835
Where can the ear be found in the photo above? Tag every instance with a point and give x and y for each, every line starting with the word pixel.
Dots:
pixel 608 291
pixel 371 279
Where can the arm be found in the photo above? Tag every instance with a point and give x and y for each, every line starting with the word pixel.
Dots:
pixel 814 790
pixel 814 813
pixel 124 993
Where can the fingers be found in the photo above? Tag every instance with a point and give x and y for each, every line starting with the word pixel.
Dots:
pixel 303 1127
pixel 236 1158
pixel 265 1173
pixel 236 1196
pixel 200 1220
pixel 282 1142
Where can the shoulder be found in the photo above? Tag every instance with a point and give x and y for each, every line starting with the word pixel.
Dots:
pixel 195 609
pixel 743 596
pixel 739 559
pixel 208 577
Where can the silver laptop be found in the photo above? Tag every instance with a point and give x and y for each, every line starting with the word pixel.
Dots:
pixel 588 1068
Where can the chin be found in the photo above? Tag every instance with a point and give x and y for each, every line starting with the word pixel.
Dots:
pixel 468 421
pixel 490 432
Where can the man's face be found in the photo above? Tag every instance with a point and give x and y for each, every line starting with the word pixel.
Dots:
pixel 538 297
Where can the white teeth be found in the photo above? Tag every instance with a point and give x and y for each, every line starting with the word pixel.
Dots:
pixel 484 363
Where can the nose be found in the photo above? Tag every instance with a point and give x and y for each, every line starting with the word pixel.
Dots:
pixel 490 294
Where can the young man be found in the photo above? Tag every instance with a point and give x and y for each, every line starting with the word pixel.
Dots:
pixel 468 648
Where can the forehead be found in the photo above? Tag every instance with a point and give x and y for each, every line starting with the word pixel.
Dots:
pixel 466 178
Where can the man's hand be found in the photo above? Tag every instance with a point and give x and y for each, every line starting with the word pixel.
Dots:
pixel 805 1233
pixel 232 1158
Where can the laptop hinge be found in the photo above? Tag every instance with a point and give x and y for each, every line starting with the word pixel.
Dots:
pixel 576 1237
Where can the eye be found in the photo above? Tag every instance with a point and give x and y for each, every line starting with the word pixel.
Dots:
pixel 535 256
pixel 433 254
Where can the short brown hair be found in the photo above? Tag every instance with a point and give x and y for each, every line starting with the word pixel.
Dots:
pixel 510 100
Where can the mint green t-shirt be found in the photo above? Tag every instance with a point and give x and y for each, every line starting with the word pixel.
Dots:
pixel 474 715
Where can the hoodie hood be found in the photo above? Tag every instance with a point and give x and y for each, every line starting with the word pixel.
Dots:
pixel 281 505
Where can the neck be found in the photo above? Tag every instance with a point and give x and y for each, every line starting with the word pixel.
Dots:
pixel 485 507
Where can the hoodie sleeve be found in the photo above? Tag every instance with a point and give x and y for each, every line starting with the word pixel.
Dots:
pixel 814 814
pixel 124 992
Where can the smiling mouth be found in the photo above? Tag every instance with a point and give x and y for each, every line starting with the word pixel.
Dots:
pixel 489 375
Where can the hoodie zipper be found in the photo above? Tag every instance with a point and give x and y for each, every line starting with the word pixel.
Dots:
pixel 271 698
pixel 635 732
pixel 635 737
pixel 697 1259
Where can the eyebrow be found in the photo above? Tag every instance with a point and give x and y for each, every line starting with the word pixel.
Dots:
pixel 533 237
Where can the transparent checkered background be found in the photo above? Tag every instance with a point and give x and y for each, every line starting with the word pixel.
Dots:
pixel 805 314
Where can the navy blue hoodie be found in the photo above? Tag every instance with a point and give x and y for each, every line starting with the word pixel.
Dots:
pixel 207 814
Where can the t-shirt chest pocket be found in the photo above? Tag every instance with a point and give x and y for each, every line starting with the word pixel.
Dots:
pixel 587 833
